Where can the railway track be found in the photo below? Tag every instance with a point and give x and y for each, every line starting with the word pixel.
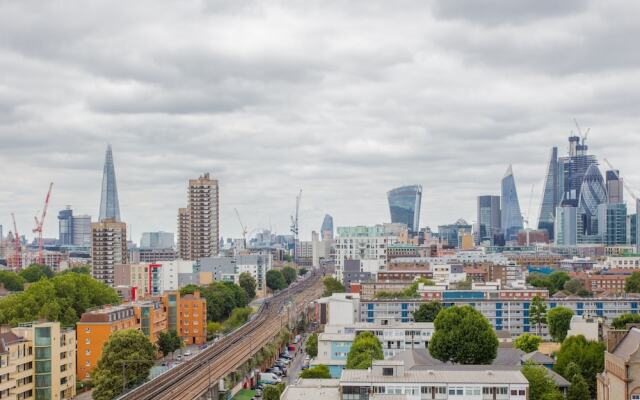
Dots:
pixel 193 378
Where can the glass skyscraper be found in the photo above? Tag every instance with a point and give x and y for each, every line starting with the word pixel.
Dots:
pixel 489 221
pixel 65 227
pixel 404 206
pixel 612 223
pixel 326 231
pixel 592 194
pixel 109 206
pixel 511 215
pixel 550 195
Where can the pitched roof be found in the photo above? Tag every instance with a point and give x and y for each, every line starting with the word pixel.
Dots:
pixel 628 345
pixel 538 357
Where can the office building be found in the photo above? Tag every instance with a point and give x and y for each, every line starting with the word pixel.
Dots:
pixel 65 227
pixel 109 248
pixel 326 230
pixel 550 195
pixel 155 255
pixel 157 240
pixel 572 169
pixel 489 220
pixel 592 194
pixel 451 235
pixel 109 205
pixel 199 222
pixel 615 186
pixel 566 226
pixel 510 213
pixel 404 206
pixel 82 230
pixel 612 223
pixel 228 269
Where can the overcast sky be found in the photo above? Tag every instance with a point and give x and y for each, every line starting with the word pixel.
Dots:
pixel 344 99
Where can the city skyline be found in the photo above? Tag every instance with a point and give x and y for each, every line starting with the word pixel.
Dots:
pixel 494 98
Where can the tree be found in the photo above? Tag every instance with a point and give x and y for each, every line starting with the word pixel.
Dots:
pixel 579 389
pixel 538 313
pixel 11 281
pixel 169 341
pixel 35 272
pixel 271 392
pixel 82 269
pixel 427 312
pixel 541 386
pixel 238 317
pixel 622 321
pixel 248 284
pixel 587 355
pixel 303 271
pixel 331 286
pixel 365 348
pixel 290 274
pixel 275 280
pixel 553 282
pixel 311 348
pixel 462 335
pixel 528 342
pixel 559 321
pixel 131 348
pixel 573 286
pixel 213 328
pixel 632 283
pixel 317 372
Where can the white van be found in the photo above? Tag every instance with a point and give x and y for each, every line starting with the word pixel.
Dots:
pixel 269 378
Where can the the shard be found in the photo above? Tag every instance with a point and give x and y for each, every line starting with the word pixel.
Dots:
pixel 511 215
pixel 551 195
pixel 109 206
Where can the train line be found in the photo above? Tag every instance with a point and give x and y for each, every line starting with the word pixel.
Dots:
pixel 191 379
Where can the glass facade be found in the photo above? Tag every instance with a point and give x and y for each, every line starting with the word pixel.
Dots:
pixel 109 205
pixel 42 344
pixel 612 223
pixel 511 215
pixel 327 227
pixel 489 221
pixel 404 206
pixel 550 195
pixel 65 227
pixel 592 194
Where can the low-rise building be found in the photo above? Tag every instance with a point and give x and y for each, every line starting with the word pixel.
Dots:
pixel 621 376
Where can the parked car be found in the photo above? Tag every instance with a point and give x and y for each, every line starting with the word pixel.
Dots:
pixel 306 366
pixel 187 353
pixel 269 378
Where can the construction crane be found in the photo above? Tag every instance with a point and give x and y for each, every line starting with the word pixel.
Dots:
pixel 294 227
pixel 525 221
pixel 244 228
pixel 584 135
pixel 39 223
pixel 17 251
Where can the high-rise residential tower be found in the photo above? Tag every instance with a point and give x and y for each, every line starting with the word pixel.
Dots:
pixel 550 195
pixel 109 206
pixel 404 206
pixel 201 219
pixel 510 213
pixel 489 220
pixel 614 187
pixel 327 227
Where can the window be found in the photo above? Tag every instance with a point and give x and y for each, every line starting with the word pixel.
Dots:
pixel 387 371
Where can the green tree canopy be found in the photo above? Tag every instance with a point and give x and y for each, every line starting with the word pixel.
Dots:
pixel 553 282
pixel 632 283
pixel 462 335
pixel 12 281
pixel 130 347
pixel 541 386
pixel 248 284
pixel 169 341
pixel 528 342
pixel 332 285
pixel 221 297
pixel 317 372
pixel 365 348
pixel 559 321
pixel 587 355
pixel 290 274
pixel 63 298
pixel 303 271
pixel 579 389
pixel 427 312
pixel 272 392
pixel 35 272
pixel 622 321
pixel 311 348
pixel 538 313
pixel 238 317
pixel 573 286
pixel 82 269
pixel 275 280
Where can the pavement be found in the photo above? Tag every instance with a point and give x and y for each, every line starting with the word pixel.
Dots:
pixel 296 364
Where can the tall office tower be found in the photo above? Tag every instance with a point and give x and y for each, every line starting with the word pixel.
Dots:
pixel 65 227
pixel 327 227
pixel 452 234
pixel 184 251
pixel 511 215
pixel 156 240
pixel 108 249
pixel 109 207
pixel 612 223
pixel 637 225
pixel 566 226
pixel 550 195
pixel 204 220
pixel 82 230
pixel 614 187
pixel 404 206
pixel 572 169
pixel 489 219
pixel 592 193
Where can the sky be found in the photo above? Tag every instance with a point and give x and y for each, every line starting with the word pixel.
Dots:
pixel 342 99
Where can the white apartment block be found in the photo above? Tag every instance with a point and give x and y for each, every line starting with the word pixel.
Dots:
pixel 364 243
pixel 624 262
